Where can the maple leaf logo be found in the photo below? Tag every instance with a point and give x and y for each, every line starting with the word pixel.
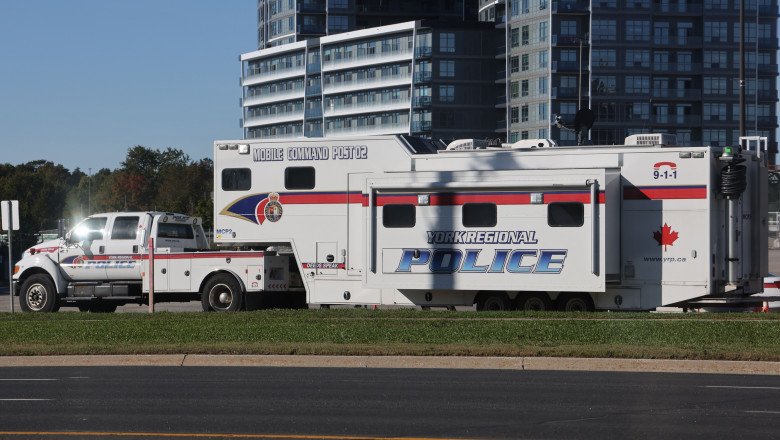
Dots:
pixel 665 237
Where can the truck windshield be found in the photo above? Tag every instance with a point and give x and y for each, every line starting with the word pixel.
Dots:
pixel 93 227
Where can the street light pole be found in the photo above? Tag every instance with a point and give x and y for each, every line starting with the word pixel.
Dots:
pixel 89 194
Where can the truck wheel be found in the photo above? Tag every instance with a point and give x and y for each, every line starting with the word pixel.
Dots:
pixel 575 302
pixel 492 301
pixel 38 295
pixel 533 302
pixel 222 293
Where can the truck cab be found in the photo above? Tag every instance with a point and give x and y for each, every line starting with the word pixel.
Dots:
pixel 97 264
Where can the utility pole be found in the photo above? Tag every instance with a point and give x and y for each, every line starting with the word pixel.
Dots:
pixel 89 194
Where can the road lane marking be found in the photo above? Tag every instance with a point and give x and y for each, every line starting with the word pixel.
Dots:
pixel 191 435
pixel 742 388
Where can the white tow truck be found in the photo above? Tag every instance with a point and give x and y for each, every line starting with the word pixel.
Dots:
pixel 103 262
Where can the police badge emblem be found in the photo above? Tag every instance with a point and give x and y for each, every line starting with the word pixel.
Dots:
pixel 273 210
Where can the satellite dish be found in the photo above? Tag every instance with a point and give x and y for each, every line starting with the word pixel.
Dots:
pixel 584 117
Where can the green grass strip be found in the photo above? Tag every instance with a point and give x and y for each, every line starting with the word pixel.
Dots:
pixel 397 332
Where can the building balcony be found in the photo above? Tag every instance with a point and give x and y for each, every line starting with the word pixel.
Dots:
pixel 570 7
pixel 566 92
pixel 674 94
pixel 287 95
pixel 676 41
pixel 314 67
pixel 310 7
pixel 677 9
pixel 767 43
pixel 684 120
pixel 367 83
pixel 258 77
pixel 279 118
pixel 421 77
pixel 314 90
pixel 313 113
pixel 681 68
pixel 767 121
pixel 421 126
pixel 367 107
pixel 423 52
pixel 767 69
pixel 421 101
pixel 767 95
pixel 567 66
pixel 376 129
pixel 568 41
pixel 366 60
pixel 311 29
pixel 767 11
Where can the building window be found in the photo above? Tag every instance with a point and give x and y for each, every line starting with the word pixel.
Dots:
pixel 524 113
pixel 637 58
pixel 447 68
pixel 604 57
pixel 338 23
pixel 514 64
pixel 638 84
pixel 715 85
pixel 543 85
pixel 714 111
pixel 637 30
pixel 604 85
pixel 525 35
pixel 714 137
pixel 514 89
pixel 514 115
pixel 716 31
pixel 524 62
pixel 715 59
pixel 446 93
pixel 543 59
pixel 514 37
pixel 447 42
pixel 542 111
pixel 524 87
pixel 542 31
pixel 604 30
pixel 568 27
pixel 638 111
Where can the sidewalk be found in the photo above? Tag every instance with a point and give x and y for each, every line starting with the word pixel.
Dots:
pixel 433 362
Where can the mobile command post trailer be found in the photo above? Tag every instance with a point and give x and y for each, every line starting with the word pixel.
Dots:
pixel 395 220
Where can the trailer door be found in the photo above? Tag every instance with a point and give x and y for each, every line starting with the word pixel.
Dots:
pixel 499 230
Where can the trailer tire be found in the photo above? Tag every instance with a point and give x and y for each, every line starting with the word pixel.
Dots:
pixel 492 301
pixel 38 295
pixel 533 302
pixel 575 302
pixel 222 293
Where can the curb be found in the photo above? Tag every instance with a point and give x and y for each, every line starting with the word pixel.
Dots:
pixel 452 362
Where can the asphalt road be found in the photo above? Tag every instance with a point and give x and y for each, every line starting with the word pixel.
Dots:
pixel 344 403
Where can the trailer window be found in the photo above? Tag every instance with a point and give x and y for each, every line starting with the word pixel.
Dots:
pixel 299 178
pixel 561 214
pixel 236 179
pixel 174 230
pixel 479 215
pixel 125 228
pixel 399 216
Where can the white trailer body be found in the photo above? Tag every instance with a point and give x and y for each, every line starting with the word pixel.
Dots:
pixel 395 221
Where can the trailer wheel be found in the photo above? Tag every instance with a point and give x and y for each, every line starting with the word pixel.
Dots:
pixel 575 302
pixel 492 301
pixel 222 293
pixel 533 302
pixel 38 295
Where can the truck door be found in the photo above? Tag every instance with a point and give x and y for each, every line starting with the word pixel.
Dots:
pixel 122 248
pixel 84 259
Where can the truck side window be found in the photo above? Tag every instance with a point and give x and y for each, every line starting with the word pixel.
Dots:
pixel 125 228
pixel 479 215
pixel 174 230
pixel 399 215
pixel 299 178
pixel 561 214
pixel 90 228
pixel 236 179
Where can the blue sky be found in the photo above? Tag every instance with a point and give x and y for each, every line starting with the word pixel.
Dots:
pixel 81 81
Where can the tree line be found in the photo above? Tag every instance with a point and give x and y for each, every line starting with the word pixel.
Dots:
pixel 147 180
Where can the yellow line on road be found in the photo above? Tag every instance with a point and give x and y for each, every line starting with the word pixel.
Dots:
pixel 260 436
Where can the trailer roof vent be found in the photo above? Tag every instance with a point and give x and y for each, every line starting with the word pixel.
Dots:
pixel 651 139
pixel 532 143
pixel 468 144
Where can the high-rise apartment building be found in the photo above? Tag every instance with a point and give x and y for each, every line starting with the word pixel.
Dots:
pixel 426 78
pixel 642 66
